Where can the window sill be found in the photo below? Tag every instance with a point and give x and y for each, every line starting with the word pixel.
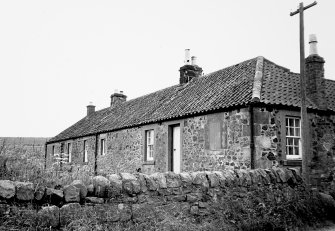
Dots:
pixel 149 162
pixel 293 162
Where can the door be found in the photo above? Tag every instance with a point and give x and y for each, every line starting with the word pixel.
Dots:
pixel 176 149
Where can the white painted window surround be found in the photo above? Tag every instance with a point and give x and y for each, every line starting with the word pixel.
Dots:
pixel 85 151
pixel 69 152
pixel 293 137
pixel 149 152
pixel 102 147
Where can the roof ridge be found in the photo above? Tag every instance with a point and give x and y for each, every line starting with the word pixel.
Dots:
pixel 181 85
pixel 230 66
pixel 257 86
pixel 330 80
pixel 279 66
pixel 137 98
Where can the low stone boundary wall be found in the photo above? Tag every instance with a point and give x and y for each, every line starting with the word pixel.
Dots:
pixel 125 197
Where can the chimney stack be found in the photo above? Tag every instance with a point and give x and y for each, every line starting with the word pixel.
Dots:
pixel 117 98
pixel 190 69
pixel 315 83
pixel 90 109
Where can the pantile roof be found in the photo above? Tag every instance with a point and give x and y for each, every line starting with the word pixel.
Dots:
pixel 230 87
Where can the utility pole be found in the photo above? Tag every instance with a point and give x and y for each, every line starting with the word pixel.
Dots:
pixel 305 150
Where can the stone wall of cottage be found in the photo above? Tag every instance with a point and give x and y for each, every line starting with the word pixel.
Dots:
pixel 267 126
pixel 161 151
pixel 60 158
pixel 211 142
pixel 217 141
pixel 322 149
pixel 123 152
pixel 78 152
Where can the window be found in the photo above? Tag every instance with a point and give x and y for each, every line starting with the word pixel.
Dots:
pixel 69 146
pixel 149 146
pixel 215 135
pixel 85 151
pixel 53 150
pixel 293 143
pixel 102 147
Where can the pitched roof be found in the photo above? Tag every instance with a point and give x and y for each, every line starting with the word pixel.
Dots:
pixel 330 92
pixel 236 85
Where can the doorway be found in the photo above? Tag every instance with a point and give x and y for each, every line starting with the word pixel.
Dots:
pixel 174 150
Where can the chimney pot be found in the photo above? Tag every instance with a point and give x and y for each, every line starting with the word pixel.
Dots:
pixel 187 60
pixel 194 60
pixel 313 49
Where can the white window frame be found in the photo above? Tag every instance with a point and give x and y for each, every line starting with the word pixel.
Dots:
pixel 103 147
pixel 149 144
pixel 69 152
pixel 85 159
pixel 293 136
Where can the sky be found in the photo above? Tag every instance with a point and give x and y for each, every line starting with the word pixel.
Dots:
pixel 57 56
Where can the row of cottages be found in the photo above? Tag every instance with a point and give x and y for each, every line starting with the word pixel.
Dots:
pixel 241 117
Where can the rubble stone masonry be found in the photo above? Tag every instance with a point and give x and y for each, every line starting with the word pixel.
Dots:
pixel 123 152
pixel 209 142
pixel 138 197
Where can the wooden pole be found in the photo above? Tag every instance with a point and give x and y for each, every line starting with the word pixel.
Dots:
pixel 304 116
pixel 305 148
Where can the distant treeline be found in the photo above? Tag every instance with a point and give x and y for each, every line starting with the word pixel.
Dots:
pixel 24 141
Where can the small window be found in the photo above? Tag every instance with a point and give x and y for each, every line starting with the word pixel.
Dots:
pixel 102 147
pixel 293 142
pixel 53 150
pixel 215 135
pixel 62 148
pixel 149 147
pixel 69 149
pixel 85 151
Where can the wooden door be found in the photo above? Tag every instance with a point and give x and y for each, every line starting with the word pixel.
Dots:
pixel 176 158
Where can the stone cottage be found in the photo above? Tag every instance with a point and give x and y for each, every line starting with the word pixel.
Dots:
pixel 241 117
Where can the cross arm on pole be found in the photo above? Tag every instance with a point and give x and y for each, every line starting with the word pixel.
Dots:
pixel 305 8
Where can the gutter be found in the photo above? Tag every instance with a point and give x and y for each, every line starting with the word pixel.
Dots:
pixel 252 137
pixel 244 105
pixel 96 154
pixel 45 155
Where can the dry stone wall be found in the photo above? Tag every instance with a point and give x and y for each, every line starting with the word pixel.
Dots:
pixel 137 197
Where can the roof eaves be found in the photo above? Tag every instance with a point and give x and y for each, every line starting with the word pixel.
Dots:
pixel 194 113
